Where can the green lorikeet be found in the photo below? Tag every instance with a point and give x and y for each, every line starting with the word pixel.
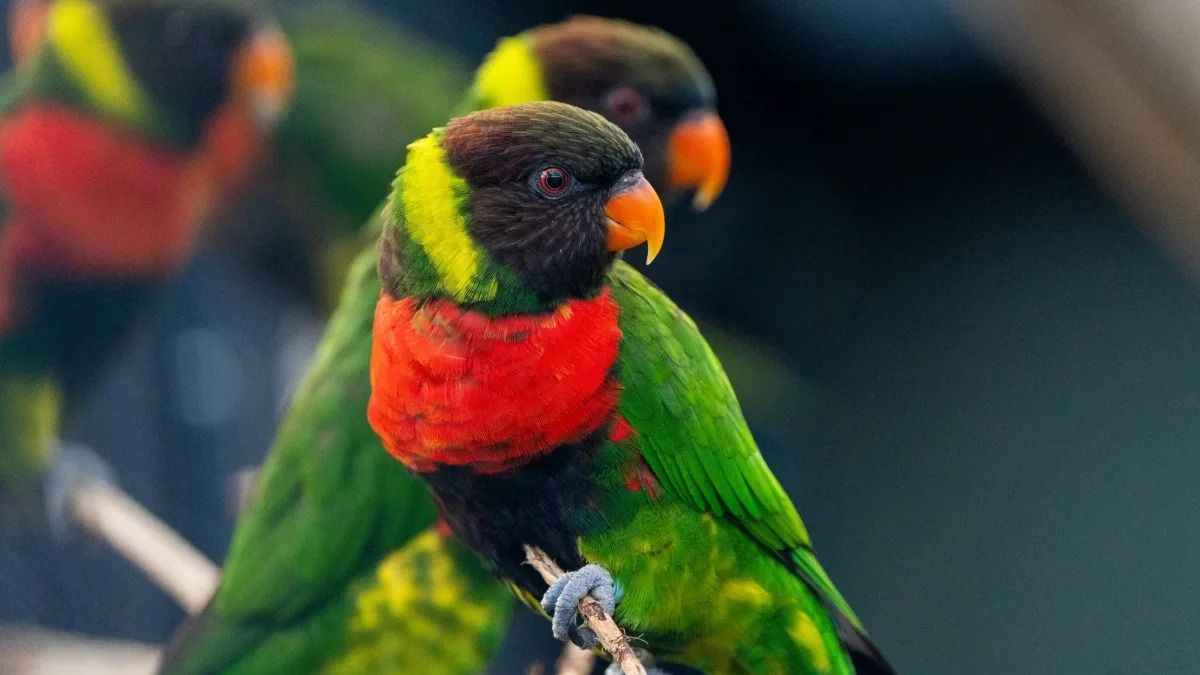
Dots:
pixel 123 125
pixel 303 589
pixel 551 399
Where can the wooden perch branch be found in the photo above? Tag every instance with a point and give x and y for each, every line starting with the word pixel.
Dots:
pixel 26 650
pixel 127 527
pixel 612 638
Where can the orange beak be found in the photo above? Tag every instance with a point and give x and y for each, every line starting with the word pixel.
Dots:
pixel 261 81
pixel 26 28
pixel 635 216
pixel 264 76
pixel 698 157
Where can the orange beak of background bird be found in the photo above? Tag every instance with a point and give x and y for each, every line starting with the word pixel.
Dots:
pixel 260 82
pixel 264 75
pixel 26 28
pixel 635 216
pixel 698 157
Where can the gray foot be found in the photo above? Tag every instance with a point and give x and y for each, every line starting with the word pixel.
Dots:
pixel 561 602
pixel 74 465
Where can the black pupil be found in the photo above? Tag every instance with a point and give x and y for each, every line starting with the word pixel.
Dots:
pixel 555 180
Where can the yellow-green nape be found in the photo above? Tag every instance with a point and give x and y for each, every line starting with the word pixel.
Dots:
pixel 85 44
pixel 431 197
pixel 509 75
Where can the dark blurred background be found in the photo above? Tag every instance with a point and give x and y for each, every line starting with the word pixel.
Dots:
pixel 992 419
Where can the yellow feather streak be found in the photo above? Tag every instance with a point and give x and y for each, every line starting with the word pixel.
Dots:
pixel 510 75
pixel 805 633
pixel 91 54
pixel 431 198
pixel 417 595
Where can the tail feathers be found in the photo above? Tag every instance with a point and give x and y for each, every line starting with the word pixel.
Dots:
pixel 866 657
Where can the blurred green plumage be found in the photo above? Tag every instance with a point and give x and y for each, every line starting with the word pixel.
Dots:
pixel 365 87
pixel 332 505
pixel 350 122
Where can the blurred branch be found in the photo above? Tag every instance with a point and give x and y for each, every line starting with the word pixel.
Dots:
pixel 575 661
pixel 171 562
pixel 242 490
pixel 1122 81
pixel 612 638
pixel 25 650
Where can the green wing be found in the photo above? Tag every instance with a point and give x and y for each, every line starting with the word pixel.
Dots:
pixel 332 503
pixel 690 426
pixel 692 433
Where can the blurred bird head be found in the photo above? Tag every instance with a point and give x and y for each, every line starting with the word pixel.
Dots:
pixel 517 209
pixel 642 79
pixel 188 74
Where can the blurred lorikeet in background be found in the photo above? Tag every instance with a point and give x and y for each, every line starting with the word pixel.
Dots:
pixel 365 87
pixel 551 399
pixel 318 578
pixel 124 123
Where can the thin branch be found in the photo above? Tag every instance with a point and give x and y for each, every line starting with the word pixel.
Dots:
pixel 172 563
pixel 241 490
pixel 612 638
pixel 28 650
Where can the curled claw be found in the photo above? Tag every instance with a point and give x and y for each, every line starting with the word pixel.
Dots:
pixel 562 599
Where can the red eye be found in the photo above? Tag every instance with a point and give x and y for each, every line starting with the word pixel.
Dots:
pixel 554 181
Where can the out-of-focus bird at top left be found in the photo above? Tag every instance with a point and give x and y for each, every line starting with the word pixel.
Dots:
pixel 123 125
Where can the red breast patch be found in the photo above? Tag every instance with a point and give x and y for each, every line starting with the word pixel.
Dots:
pixel 458 388
pixel 95 201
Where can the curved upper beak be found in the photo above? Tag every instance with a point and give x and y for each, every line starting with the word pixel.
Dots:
pixel 264 76
pixel 635 216
pixel 698 156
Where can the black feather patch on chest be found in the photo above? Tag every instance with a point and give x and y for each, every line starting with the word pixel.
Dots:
pixel 69 327
pixel 544 503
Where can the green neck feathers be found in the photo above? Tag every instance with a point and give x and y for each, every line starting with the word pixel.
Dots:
pixel 432 253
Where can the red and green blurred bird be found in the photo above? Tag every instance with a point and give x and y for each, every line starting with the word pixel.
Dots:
pixel 125 122
pixel 337 568
pixel 365 87
pixel 552 398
